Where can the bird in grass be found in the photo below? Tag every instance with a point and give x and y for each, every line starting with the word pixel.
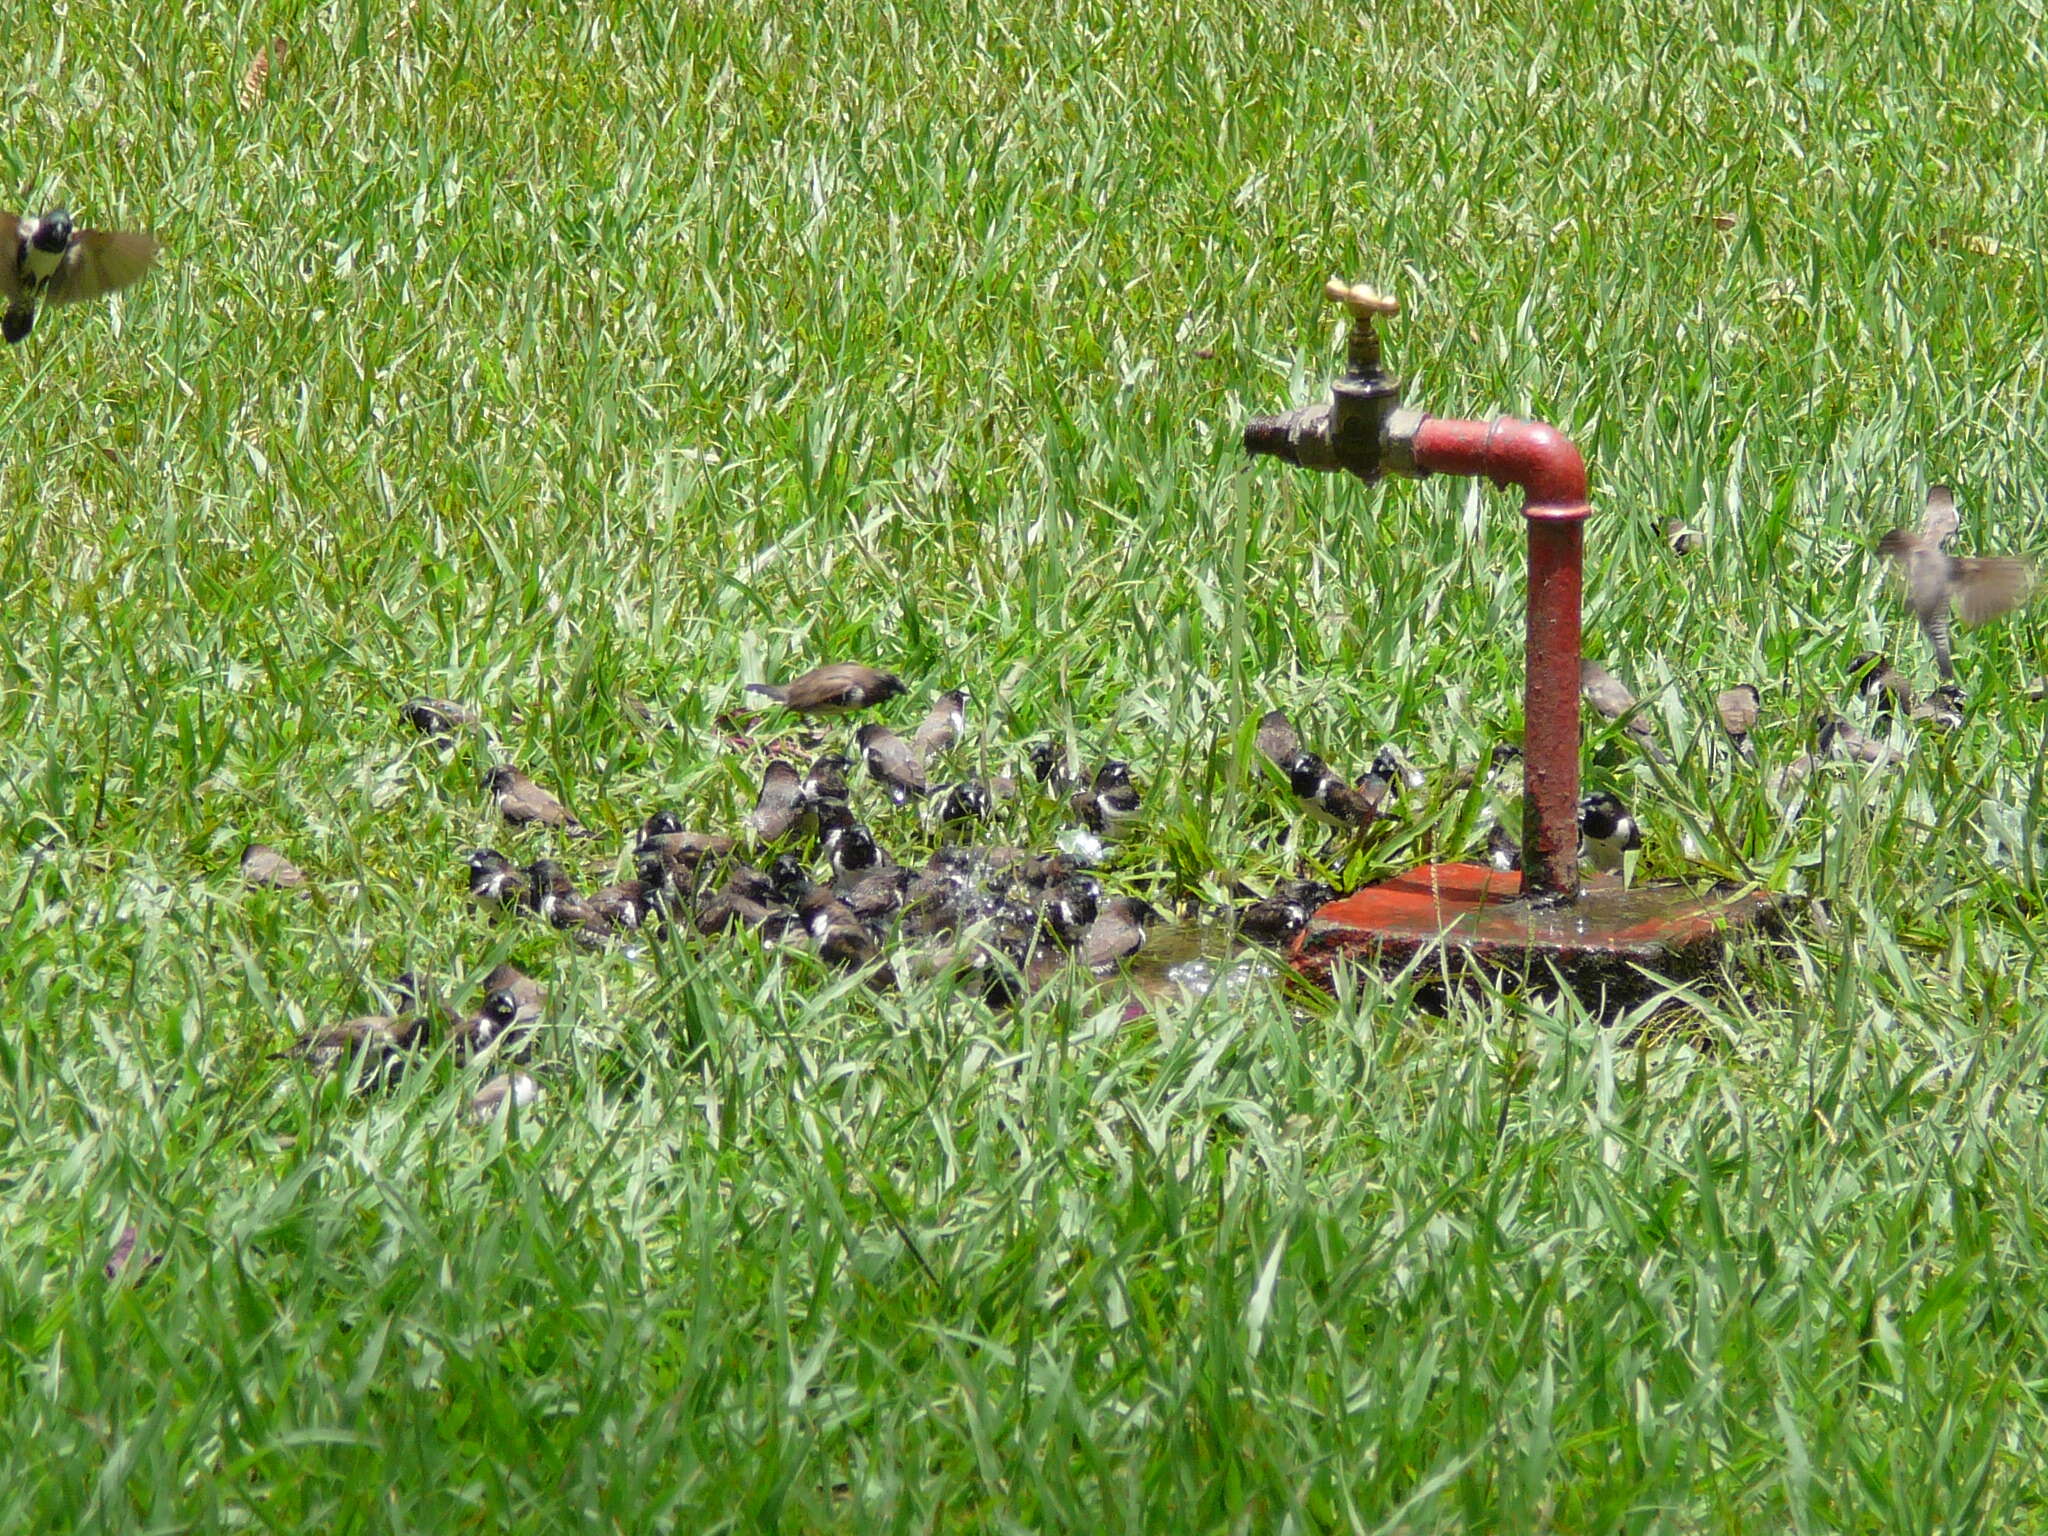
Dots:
pixel 1606 831
pixel 508 1090
pixel 1679 539
pixel 1838 738
pixel 501 1023
pixel 1940 585
pixel 825 783
pixel 1110 803
pixel 553 895
pixel 1503 848
pixel 1882 684
pixel 839 935
pixel 495 882
pixel 1051 768
pixel 892 762
pixel 375 1041
pixel 779 809
pixel 524 803
pixel 839 688
pixel 1069 909
pixel 264 868
pixel 942 729
pixel 1118 931
pixel 663 833
pixel 1944 706
pixel 46 259
pixel 1276 918
pixel 1738 708
pixel 1321 791
pixel 438 717
pixel 1608 694
pixel 1279 742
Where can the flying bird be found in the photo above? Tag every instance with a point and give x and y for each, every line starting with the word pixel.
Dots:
pixel 1939 584
pixel 836 689
pixel 48 260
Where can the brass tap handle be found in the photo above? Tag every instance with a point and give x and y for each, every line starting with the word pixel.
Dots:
pixel 1363 302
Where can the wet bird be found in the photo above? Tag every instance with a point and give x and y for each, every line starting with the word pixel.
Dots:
pixel 47 259
pixel 839 935
pixel 973 800
pixel 779 809
pixel 1069 909
pixel 1276 918
pixel 264 868
pixel 1608 694
pixel 1110 803
pixel 1939 584
pixel 1118 931
pixel 438 717
pixel 943 727
pixel 852 850
pixel 494 880
pixel 524 803
pixel 1503 848
pixel 1680 539
pixel 1944 706
pixel 836 689
pixel 1738 708
pixel 1606 831
pixel 892 762
pixel 507 1090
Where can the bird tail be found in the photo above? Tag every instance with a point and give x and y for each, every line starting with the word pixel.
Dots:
pixel 770 690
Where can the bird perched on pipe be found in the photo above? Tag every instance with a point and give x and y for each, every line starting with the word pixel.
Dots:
pixel 839 688
pixel 46 259
pixel 1940 585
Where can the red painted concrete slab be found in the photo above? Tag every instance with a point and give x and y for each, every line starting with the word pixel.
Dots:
pixel 1602 943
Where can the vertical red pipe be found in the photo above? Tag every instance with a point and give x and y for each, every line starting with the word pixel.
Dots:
pixel 1550 471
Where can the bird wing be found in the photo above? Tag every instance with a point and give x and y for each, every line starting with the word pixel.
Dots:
pixel 1939 524
pixel 10 253
pixel 1990 585
pixel 100 261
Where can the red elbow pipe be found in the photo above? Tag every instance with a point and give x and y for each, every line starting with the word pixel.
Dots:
pixel 1543 461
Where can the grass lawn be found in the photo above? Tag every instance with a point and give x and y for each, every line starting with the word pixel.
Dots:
pixel 579 360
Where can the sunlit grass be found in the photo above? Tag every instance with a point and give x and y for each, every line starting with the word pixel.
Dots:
pixel 627 353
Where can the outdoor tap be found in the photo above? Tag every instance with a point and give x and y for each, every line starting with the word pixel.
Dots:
pixel 1360 428
pixel 1364 428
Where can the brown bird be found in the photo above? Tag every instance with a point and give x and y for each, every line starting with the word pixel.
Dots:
pixel 1608 694
pixel 506 1090
pixel 1878 680
pixel 501 1022
pixel 891 760
pixel 780 806
pixel 1118 931
pixel 264 868
pixel 836 689
pixel 553 895
pixel 374 1040
pixel 1738 708
pixel 841 938
pixel 48 260
pixel 1279 743
pixel 1839 738
pixel 528 998
pixel 524 803
pixel 943 727
pixel 1681 539
pixel 438 717
pixel 1937 582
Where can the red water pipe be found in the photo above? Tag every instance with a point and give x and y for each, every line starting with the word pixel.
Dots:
pixel 1543 462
